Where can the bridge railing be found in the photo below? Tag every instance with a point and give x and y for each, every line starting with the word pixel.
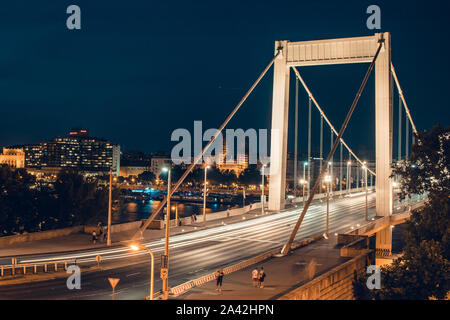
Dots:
pixel 45 266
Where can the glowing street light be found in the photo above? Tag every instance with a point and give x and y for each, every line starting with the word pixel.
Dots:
pixel 349 163
pixel 165 258
pixel 364 167
pixel 137 247
pixel 327 180
pixel 303 182
pixel 305 164
pixel 204 198
pixel 263 196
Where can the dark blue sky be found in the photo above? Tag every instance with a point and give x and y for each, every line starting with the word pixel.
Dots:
pixel 137 70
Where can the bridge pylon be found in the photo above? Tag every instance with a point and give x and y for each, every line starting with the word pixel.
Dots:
pixel 328 52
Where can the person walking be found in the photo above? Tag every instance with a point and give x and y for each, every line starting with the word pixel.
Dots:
pixel 94 237
pixel 255 277
pixel 219 280
pixel 262 276
pixel 105 234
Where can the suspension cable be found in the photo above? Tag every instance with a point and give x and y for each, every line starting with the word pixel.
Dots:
pixel 399 155
pixel 326 119
pixel 287 246
pixel 200 155
pixel 400 92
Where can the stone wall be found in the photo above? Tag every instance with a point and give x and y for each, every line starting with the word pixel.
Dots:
pixel 33 236
pixel 336 284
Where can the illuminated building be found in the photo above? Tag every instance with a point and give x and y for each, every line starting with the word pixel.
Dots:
pixel 77 150
pixel 14 158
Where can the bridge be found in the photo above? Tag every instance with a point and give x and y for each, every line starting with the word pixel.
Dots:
pixel 375 50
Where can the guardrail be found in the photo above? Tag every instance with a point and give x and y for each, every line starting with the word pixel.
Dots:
pixel 46 266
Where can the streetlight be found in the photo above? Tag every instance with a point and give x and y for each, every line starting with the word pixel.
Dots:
pixel 303 182
pixel 108 236
pixel 304 165
pixel 138 246
pixel 204 198
pixel 262 189
pixel 165 257
pixel 327 180
pixel 349 163
pixel 330 170
pixel 365 185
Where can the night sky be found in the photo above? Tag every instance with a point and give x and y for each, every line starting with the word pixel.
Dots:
pixel 137 70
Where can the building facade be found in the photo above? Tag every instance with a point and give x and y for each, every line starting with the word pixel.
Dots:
pixel 14 158
pixel 77 150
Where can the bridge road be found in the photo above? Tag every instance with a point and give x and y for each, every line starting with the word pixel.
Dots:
pixel 191 255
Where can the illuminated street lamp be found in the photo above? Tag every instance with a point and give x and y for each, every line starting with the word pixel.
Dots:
pixel 138 246
pixel 305 164
pixel 204 198
pixel 330 170
pixel 327 181
pixel 165 257
pixel 303 182
pixel 364 167
pixel 108 232
pixel 263 196
pixel 349 163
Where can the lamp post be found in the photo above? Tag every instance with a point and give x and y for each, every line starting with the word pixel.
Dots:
pixel 303 182
pixel 365 186
pixel 165 257
pixel 305 164
pixel 263 196
pixel 204 198
pixel 330 170
pixel 108 239
pixel 138 246
pixel 327 180
pixel 349 163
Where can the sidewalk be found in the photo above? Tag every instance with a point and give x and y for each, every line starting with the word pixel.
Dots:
pixel 81 241
pixel 283 275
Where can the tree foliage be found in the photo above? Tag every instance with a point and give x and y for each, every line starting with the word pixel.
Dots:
pixel 424 270
pixel 28 206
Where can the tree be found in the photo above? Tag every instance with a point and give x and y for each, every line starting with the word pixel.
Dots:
pixel 147 177
pixel 18 211
pixel 250 175
pixel 424 270
pixel 80 201
pixel 427 169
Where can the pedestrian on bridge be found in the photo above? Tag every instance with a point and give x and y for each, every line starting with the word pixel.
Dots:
pixel 262 276
pixel 255 277
pixel 94 237
pixel 219 279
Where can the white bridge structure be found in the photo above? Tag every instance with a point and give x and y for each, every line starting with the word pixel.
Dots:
pixel 375 50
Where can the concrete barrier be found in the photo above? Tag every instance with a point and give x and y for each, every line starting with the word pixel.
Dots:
pixel 335 284
pixel 34 236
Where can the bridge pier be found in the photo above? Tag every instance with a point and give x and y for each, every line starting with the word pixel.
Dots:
pixel 383 244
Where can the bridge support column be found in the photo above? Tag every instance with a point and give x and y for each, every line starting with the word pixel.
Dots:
pixel 279 134
pixel 383 143
pixel 383 244
pixel 383 128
